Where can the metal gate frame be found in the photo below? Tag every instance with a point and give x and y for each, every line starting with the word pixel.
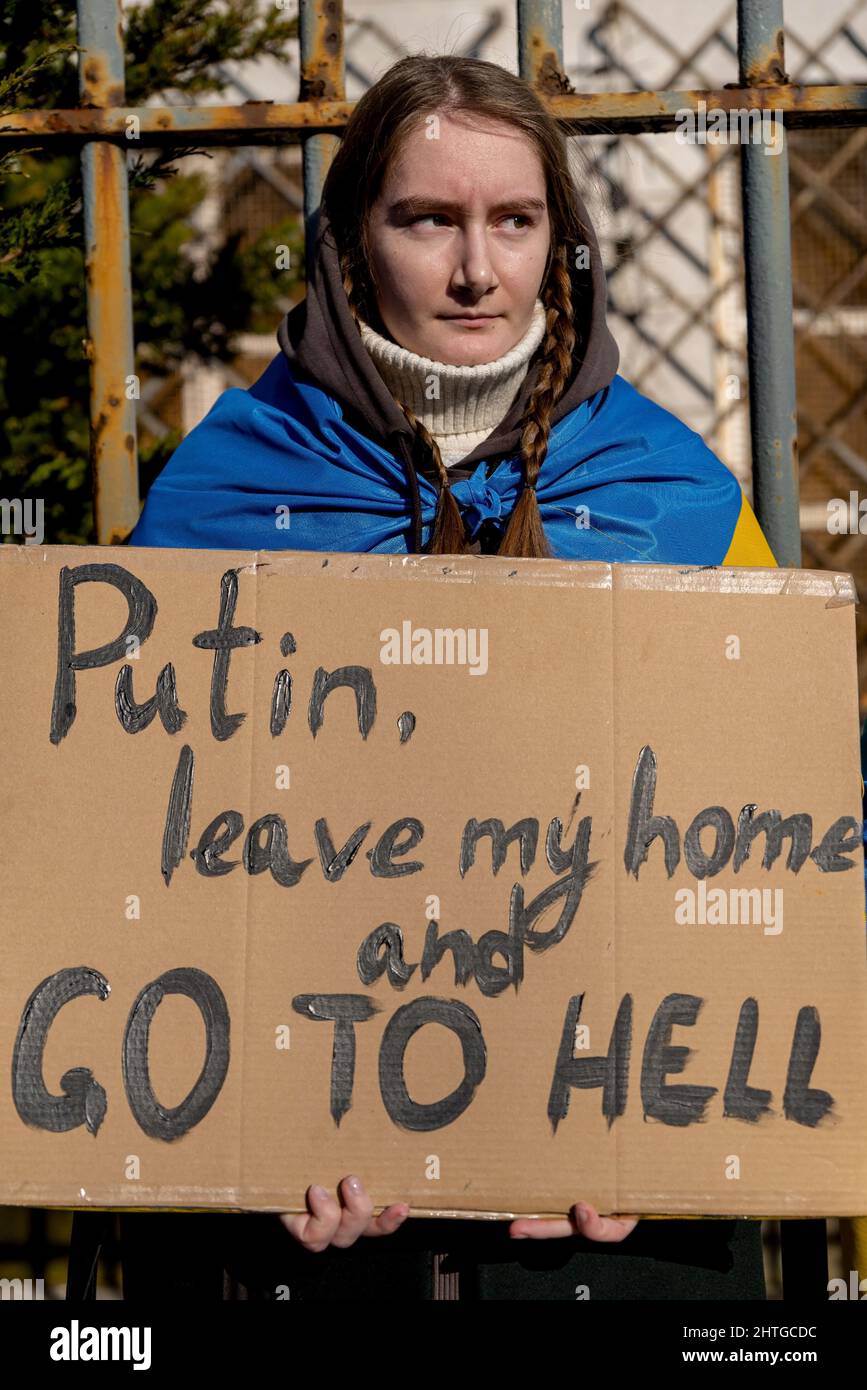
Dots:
pixel 103 127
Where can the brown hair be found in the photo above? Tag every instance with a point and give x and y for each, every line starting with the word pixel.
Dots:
pixel 411 89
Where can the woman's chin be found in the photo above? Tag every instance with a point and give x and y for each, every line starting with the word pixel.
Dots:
pixel 469 347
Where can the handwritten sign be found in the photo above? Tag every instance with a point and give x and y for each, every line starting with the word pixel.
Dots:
pixel 500 883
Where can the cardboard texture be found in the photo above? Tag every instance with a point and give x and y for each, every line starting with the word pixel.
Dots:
pixel 170 982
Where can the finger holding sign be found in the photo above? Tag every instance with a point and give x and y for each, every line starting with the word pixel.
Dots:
pixel 328 1223
pixel 583 1220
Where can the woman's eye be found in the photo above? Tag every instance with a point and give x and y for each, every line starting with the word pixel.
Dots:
pixel 430 216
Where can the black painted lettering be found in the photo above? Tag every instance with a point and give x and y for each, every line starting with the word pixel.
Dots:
pixel 274 854
pixel 525 831
pixel 403 1025
pixel 700 864
pixel 177 827
pixel 222 641
pixel 334 864
pixel 493 979
pixel 381 951
pixel 843 837
pixel 139 625
pixel 387 847
pixel 802 1104
pixel 213 843
pixel 172 1122
pixel 135 717
pixel 84 1101
pixel 357 678
pixel 799 829
pixel 344 1010
pixel 611 1072
pixel 570 888
pixel 673 1105
pixel 644 826
pixel 281 702
pixel 741 1101
pixel 461 945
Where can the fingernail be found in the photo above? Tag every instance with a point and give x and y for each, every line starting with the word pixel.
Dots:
pixel 354 1185
pixel 582 1211
pixel 319 1192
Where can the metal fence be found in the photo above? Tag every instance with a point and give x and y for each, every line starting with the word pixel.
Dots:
pixel 104 128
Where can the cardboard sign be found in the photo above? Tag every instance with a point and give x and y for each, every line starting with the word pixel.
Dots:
pixel 502 884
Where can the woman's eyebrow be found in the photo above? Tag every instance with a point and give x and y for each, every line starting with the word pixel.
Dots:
pixel 406 206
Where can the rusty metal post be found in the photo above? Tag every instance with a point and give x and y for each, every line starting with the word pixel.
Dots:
pixel 322 79
pixel 768 260
pixel 773 420
pixel 540 44
pixel 110 348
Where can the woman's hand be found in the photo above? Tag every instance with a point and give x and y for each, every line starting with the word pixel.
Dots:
pixel 583 1220
pixel 330 1222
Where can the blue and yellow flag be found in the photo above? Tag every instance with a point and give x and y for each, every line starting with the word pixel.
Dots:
pixel 623 480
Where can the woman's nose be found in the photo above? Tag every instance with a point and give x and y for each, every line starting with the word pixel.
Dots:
pixel 474 270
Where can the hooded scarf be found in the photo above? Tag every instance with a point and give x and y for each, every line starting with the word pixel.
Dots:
pixel 320 338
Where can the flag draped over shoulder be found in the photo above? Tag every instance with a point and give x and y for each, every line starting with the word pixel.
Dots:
pixel 278 467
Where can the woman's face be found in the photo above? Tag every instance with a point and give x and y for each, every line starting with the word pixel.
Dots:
pixel 460 228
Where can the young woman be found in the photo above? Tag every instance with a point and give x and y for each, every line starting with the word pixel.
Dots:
pixel 450 384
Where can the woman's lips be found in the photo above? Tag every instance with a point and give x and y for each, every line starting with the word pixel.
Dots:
pixel 476 321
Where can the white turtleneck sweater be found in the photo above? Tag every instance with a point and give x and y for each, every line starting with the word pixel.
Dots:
pixel 471 400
